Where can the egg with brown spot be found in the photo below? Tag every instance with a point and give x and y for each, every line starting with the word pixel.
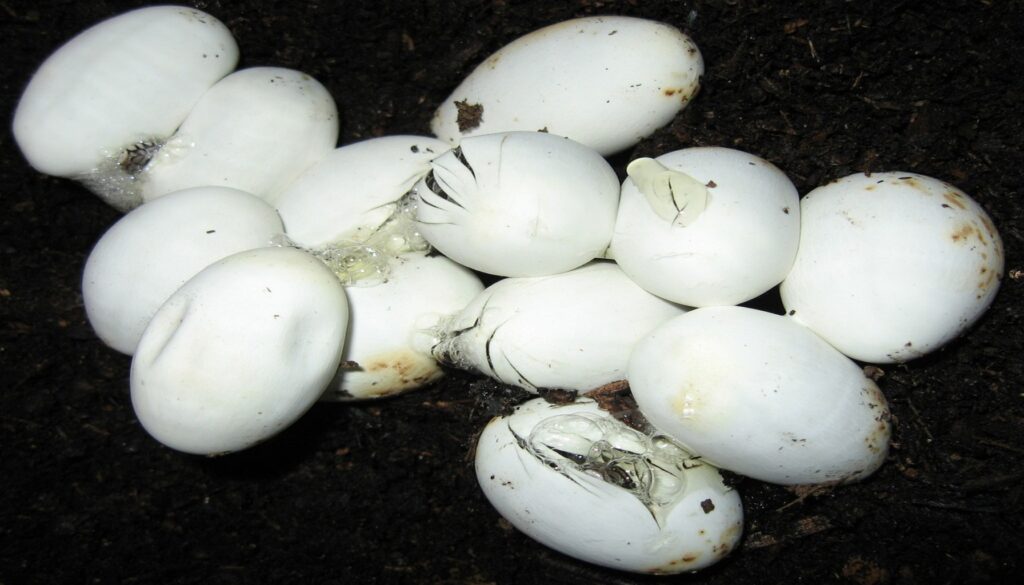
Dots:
pixel 389 334
pixel 604 81
pixel 921 264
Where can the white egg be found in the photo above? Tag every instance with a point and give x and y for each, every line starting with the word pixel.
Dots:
pixel 577 480
pixel 760 395
pixel 256 130
pixel 707 226
pixel 892 265
pixel 150 252
pixel 383 355
pixel 604 81
pixel 352 193
pixel 519 204
pixel 571 331
pixel 240 351
pixel 119 89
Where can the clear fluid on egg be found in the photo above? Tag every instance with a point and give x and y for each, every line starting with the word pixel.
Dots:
pixel 116 179
pixel 651 468
pixel 368 263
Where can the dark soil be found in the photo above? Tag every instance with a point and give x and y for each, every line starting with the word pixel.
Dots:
pixel 385 492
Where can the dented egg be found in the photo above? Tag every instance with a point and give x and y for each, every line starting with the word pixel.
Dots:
pixel 240 351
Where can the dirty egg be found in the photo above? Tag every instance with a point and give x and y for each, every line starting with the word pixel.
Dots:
pixel 240 351
pixel 571 331
pixel 151 251
pixel 577 480
pixel 892 265
pixel 706 226
pixel 118 88
pixel 382 355
pixel 615 80
pixel 762 396
pixel 518 204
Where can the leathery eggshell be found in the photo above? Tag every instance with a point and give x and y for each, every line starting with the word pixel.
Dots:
pixel 760 395
pixel 892 265
pixel 604 81
pixel 151 251
pixel 572 331
pixel 381 355
pixel 256 130
pixel 350 194
pixel 579 481
pixel 127 80
pixel 740 244
pixel 240 351
pixel 518 204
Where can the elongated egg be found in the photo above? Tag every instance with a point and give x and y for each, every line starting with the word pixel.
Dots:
pixel 604 81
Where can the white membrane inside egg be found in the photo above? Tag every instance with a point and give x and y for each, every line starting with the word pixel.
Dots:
pixel 577 480
pixel 892 265
pixel 101 104
pixel 519 204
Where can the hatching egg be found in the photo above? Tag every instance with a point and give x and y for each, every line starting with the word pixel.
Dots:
pixel 576 479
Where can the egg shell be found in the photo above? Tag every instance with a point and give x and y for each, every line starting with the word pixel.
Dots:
pixel 129 78
pixel 760 395
pixel 256 130
pixel 519 204
pixel 740 246
pixel 570 331
pixel 151 251
pixel 892 265
pixel 590 519
pixel 604 81
pixel 382 357
pixel 240 351
pixel 355 189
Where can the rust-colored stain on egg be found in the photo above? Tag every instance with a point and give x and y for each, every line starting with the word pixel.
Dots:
pixel 962 233
pixel 954 199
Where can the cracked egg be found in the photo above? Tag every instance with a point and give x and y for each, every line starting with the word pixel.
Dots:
pixel 575 479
